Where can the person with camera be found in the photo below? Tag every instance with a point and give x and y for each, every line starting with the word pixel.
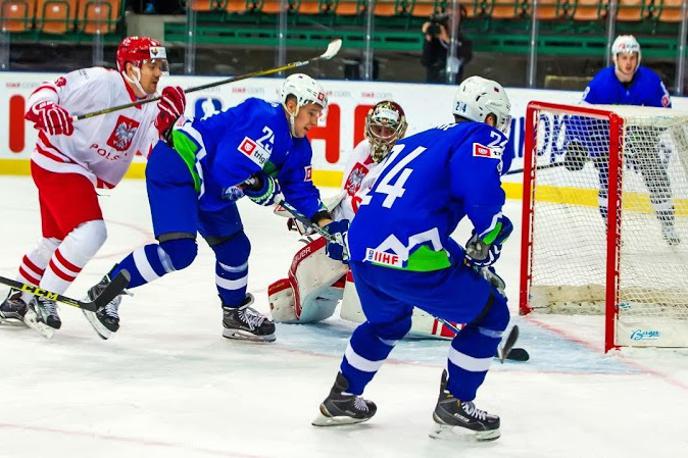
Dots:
pixel 436 46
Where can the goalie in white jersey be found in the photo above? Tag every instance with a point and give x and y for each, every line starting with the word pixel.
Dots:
pixel 316 283
pixel 72 159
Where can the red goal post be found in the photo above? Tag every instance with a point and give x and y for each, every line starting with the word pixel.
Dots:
pixel 605 219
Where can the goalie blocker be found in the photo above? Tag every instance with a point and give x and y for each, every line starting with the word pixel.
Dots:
pixel 316 283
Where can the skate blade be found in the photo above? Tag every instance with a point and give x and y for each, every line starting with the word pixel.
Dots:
pixel 448 432
pixel 30 319
pixel 13 322
pixel 322 420
pixel 238 334
pixel 101 330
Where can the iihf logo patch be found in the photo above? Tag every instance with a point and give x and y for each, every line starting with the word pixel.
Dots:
pixel 308 173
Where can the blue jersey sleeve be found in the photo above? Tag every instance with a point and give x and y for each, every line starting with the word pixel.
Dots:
pixel 476 178
pixel 657 91
pixel 295 179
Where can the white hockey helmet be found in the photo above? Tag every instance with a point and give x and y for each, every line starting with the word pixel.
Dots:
pixel 478 97
pixel 626 44
pixel 385 124
pixel 306 90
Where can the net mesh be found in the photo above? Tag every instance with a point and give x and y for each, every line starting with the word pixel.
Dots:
pixel 569 230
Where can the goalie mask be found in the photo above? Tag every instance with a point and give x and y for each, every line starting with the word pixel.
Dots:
pixel 140 51
pixel 625 44
pixel 306 90
pixel 477 97
pixel 385 124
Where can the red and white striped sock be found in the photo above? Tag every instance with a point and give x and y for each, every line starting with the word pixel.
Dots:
pixel 71 256
pixel 34 263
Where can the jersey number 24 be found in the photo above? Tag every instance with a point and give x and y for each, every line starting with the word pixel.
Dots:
pixel 391 181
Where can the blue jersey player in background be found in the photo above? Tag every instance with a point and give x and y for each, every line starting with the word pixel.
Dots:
pixel 256 149
pixel 401 255
pixel 626 83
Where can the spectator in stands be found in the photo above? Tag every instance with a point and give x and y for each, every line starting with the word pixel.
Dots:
pixel 436 49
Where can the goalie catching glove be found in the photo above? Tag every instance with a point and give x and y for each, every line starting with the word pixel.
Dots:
pixel 483 251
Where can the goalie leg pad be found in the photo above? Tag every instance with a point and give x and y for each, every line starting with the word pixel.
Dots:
pixel 313 276
pixel 281 299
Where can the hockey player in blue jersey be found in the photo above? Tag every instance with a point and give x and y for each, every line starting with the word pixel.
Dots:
pixel 256 149
pixel 401 254
pixel 625 83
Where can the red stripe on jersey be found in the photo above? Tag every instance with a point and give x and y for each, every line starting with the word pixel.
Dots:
pixel 28 278
pixel 49 155
pixel 45 86
pixel 64 276
pixel 34 268
pixel 67 264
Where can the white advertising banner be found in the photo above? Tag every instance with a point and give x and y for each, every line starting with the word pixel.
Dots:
pixel 339 130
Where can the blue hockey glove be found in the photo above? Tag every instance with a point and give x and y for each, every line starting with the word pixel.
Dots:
pixel 484 251
pixel 262 189
pixel 336 249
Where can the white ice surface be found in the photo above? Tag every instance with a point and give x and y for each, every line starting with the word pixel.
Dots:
pixel 168 385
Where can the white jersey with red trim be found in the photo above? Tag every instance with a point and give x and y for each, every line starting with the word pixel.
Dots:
pixel 101 148
pixel 359 178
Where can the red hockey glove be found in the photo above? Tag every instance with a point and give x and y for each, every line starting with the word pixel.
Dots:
pixel 171 106
pixel 51 118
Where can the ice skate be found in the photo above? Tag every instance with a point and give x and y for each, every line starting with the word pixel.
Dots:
pixel 342 408
pixel 42 316
pixel 105 320
pixel 456 419
pixel 246 323
pixel 13 308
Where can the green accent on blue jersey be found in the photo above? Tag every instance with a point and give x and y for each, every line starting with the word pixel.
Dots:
pixel 490 237
pixel 187 148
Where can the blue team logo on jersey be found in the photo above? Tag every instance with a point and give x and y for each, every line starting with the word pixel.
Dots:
pixel 206 107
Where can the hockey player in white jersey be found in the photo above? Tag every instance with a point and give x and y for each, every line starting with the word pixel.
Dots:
pixel 72 159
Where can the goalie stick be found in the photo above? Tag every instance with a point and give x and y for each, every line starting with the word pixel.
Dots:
pixel 505 351
pixel 115 288
pixel 332 49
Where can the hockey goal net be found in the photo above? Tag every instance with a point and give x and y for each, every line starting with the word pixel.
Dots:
pixel 605 219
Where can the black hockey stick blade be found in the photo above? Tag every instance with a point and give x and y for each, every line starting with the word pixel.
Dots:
pixel 504 350
pixel 111 291
pixel 518 354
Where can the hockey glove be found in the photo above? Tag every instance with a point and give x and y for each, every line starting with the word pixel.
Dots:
pixel 575 157
pixel 50 117
pixel 171 105
pixel 484 251
pixel 262 189
pixel 336 248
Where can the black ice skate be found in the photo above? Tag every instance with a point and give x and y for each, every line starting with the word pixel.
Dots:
pixel 246 323
pixel 13 308
pixel 342 408
pixel 105 320
pixel 42 316
pixel 454 418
